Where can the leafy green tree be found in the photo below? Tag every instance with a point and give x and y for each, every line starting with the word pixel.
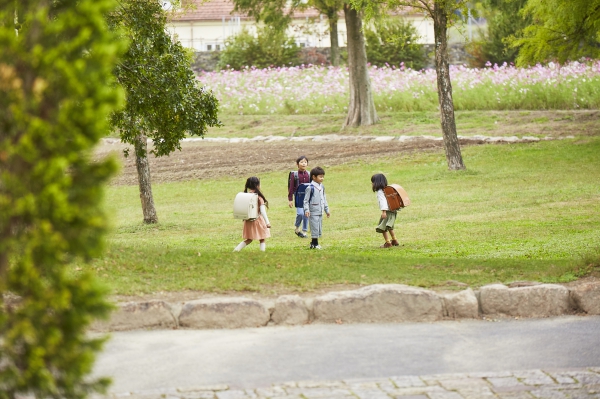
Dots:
pixel 57 89
pixel 164 101
pixel 331 9
pixel 394 41
pixel 444 14
pixel 278 13
pixel 269 47
pixel 274 13
pixel 504 22
pixel 561 30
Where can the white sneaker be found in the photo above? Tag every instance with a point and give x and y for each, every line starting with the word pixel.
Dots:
pixel 315 247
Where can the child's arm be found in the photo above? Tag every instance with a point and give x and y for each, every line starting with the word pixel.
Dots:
pixel 291 189
pixel 263 212
pixel 382 203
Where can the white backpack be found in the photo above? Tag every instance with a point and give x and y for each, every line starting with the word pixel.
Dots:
pixel 245 206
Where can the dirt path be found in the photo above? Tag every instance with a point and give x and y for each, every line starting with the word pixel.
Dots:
pixel 203 160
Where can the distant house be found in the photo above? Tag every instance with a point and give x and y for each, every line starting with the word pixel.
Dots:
pixel 208 25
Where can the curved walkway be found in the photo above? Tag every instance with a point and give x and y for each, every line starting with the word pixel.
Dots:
pixel 528 384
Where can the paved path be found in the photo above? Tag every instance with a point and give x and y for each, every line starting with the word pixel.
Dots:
pixel 530 384
pixel 360 360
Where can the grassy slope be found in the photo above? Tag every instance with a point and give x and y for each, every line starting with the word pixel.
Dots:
pixel 537 123
pixel 520 212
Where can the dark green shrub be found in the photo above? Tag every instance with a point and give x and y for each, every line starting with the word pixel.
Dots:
pixel 56 93
pixel 392 42
pixel 271 47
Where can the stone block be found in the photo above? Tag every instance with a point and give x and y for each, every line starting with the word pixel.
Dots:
pixel 223 313
pixel 290 310
pixel 380 303
pixel 535 301
pixel 462 304
pixel 137 315
pixel 587 297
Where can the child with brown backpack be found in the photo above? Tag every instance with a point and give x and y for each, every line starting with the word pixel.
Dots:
pixel 391 199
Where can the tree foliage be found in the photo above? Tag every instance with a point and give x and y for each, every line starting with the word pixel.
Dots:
pixel 163 98
pixel 394 41
pixel 331 9
pixel 271 47
pixel 274 13
pixel 561 30
pixel 504 22
pixel 56 92
pixel 444 14
pixel 277 14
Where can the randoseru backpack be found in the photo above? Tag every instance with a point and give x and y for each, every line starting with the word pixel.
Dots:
pixel 245 206
pixel 300 190
pixel 396 197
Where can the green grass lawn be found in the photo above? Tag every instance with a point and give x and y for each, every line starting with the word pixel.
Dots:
pixel 538 123
pixel 519 212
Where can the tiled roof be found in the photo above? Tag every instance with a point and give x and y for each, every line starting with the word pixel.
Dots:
pixel 215 10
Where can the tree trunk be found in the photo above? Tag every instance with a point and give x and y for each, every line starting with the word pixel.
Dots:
pixel 361 110
pixel 333 37
pixel 442 69
pixel 143 170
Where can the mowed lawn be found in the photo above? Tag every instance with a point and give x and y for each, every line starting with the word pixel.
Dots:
pixel 519 212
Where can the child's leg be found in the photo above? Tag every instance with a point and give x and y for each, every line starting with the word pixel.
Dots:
pixel 298 221
pixel 315 229
pixel 386 236
pixel 394 240
pixel 242 245
pixel 300 218
pixel 314 226
pixel 263 246
pixel 304 222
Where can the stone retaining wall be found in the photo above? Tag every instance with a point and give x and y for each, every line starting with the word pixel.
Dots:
pixel 380 303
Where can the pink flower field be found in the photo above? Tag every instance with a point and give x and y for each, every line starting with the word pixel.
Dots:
pixel 317 89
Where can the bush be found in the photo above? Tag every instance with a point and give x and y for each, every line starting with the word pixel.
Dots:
pixel 393 42
pixel 271 47
pixel 504 22
pixel 56 92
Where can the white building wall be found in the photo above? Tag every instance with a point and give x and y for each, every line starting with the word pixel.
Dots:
pixel 212 35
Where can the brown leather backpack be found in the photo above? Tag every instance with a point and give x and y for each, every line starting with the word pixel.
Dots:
pixel 396 197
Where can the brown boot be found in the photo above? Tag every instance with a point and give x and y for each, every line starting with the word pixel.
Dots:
pixel 386 245
pixel 395 243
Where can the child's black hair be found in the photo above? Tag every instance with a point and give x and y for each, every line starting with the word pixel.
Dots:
pixel 253 183
pixel 379 181
pixel 300 158
pixel 316 171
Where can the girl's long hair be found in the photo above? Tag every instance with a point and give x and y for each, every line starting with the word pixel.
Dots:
pixel 253 183
pixel 379 181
